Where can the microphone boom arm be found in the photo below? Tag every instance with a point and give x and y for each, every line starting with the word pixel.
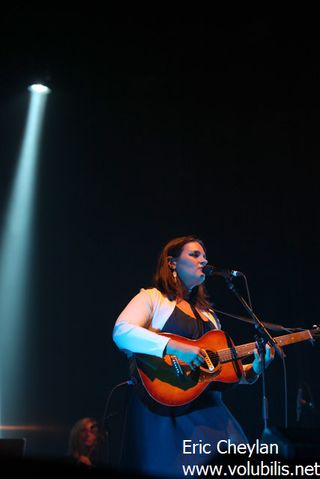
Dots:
pixel 257 323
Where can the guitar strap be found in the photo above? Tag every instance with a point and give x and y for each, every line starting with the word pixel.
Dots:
pixel 197 315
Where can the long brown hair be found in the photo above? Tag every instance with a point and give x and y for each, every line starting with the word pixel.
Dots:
pixel 164 281
pixel 76 447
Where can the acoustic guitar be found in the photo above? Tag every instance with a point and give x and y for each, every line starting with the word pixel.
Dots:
pixel 171 382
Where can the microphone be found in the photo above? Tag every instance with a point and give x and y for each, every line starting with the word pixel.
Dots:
pixel 211 270
pixel 299 404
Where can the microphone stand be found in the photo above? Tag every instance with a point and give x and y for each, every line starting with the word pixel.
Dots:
pixel 262 338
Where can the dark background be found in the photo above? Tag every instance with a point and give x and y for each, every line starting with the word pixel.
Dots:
pixel 154 130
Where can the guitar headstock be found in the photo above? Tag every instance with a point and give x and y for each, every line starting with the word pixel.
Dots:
pixel 315 331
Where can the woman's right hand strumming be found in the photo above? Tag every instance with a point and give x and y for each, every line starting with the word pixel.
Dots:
pixel 192 355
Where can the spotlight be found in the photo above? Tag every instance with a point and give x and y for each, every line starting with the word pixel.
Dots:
pixel 39 88
pixel 16 255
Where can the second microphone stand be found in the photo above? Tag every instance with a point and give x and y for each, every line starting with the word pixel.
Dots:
pixel 262 338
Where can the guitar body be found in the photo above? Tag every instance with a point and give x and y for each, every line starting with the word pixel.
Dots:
pixel 164 383
pixel 170 382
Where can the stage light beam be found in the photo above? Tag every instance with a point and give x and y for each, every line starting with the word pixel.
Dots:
pixel 16 240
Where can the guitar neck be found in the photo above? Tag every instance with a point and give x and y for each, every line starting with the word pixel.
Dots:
pixel 244 350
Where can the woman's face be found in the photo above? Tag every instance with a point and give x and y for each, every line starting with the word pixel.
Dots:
pixel 190 263
pixel 88 434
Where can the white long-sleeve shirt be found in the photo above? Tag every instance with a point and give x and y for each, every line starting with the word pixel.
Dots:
pixel 136 328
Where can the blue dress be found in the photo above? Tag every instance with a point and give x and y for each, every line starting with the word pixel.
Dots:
pixel 154 442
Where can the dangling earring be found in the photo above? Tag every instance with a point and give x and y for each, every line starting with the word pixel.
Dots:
pixel 174 274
